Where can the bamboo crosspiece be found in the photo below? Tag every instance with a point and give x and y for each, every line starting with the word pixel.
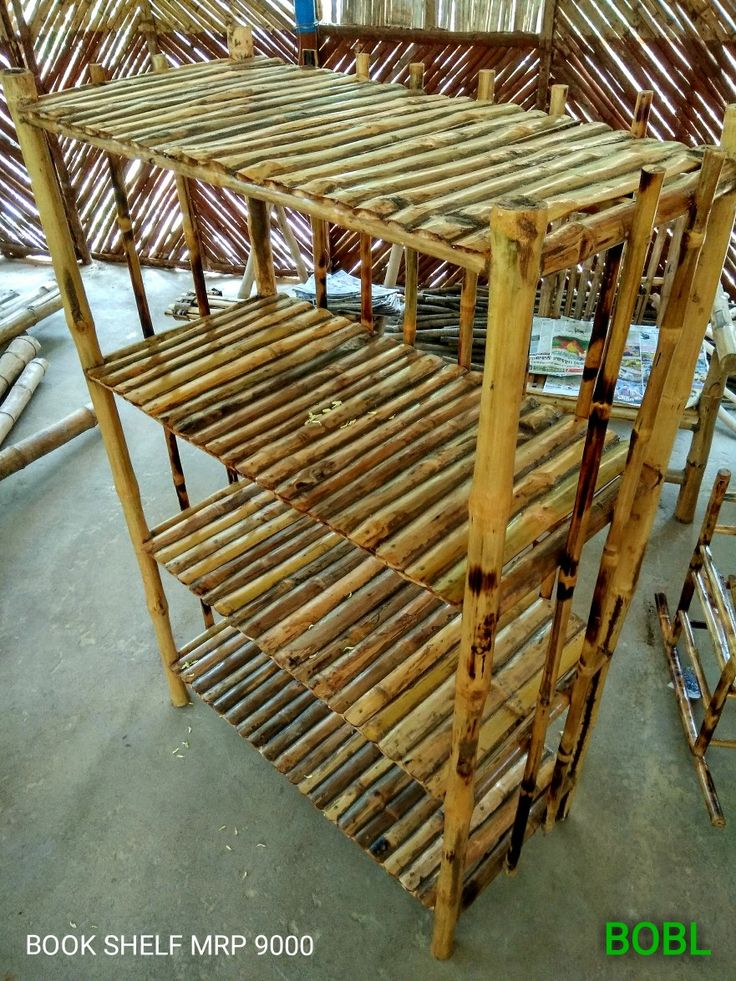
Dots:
pixel 517 234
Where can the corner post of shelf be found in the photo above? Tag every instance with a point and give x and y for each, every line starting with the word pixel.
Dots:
pixel 705 246
pixel 411 258
pixel 486 85
pixel 306 25
pixel 518 229
pixel 20 91
pixel 240 42
pixel 558 100
pixel 642 109
pixel 363 66
pixel 363 74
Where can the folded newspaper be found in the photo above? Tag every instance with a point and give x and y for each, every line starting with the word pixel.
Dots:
pixel 559 347
pixel 342 287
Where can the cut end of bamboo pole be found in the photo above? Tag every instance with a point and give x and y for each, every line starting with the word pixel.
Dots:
pixel 159 63
pixel 486 85
pixel 643 107
pixel 416 76
pixel 97 74
pixel 728 137
pixel 240 42
pixel 557 100
pixel 19 86
pixel 363 66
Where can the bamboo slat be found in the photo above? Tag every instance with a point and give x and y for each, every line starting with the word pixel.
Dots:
pixel 364 433
pixel 374 648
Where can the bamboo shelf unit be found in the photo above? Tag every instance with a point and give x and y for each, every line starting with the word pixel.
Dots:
pixel 394 556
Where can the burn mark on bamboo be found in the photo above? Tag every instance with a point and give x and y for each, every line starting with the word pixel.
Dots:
pixel 480 580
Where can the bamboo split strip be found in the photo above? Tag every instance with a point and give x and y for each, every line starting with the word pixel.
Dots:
pixel 368 435
pixel 374 803
pixel 376 649
pixel 20 351
pixel 20 395
pixel 18 456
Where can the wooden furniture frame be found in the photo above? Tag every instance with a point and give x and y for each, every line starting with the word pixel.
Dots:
pixel 379 567
pixel 717 599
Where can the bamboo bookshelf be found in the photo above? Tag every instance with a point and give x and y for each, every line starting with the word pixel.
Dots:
pixel 394 554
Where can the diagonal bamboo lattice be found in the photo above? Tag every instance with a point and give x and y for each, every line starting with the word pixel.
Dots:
pixel 684 50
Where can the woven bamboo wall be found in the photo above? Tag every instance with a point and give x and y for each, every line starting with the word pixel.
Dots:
pixel 605 50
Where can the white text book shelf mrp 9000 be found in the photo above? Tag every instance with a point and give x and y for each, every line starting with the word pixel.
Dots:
pixel 394 557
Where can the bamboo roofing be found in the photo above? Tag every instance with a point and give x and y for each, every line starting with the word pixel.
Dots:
pixel 422 170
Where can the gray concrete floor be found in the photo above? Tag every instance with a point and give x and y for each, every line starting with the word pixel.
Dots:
pixel 105 831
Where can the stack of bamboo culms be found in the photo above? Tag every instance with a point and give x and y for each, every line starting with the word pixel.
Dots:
pixel 21 372
pixel 20 311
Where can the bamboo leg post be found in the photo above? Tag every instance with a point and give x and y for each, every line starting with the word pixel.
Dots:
pixel 601 321
pixel 249 277
pixel 363 66
pixel 26 451
pixel 411 274
pixel 557 100
pixel 468 298
pixel 190 225
pixel 517 234
pixel 19 88
pixel 416 76
pixel 98 76
pixel 296 253
pixel 20 395
pixel 320 248
pixel 259 230
pixel 394 262
pixel 366 281
pixel 700 445
pixel 486 85
pixel 16 357
pixel 546 44
pixel 650 187
pixel 690 305
pixel 643 107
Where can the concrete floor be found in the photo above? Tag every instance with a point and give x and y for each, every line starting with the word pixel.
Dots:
pixel 105 831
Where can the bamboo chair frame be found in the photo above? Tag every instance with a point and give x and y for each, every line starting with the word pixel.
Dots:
pixel 495 608
pixel 717 601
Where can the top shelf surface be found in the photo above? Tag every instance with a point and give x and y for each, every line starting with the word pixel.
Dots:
pixel 422 170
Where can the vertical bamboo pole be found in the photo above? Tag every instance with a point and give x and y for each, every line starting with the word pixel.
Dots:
pixel 321 251
pixel 468 296
pixel 190 225
pixel 635 255
pixel 98 76
pixel 19 87
pixel 517 234
pixel 416 76
pixel 486 85
pixel 643 107
pixel 259 231
pixel 557 100
pixel 681 334
pixel 411 277
pixel 601 321
pixel 366 281
pixel 546 44
pixel 699 451
pixel 57 156
pixel 363 74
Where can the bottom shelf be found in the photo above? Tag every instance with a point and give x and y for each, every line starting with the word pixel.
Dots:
pixel 370 799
